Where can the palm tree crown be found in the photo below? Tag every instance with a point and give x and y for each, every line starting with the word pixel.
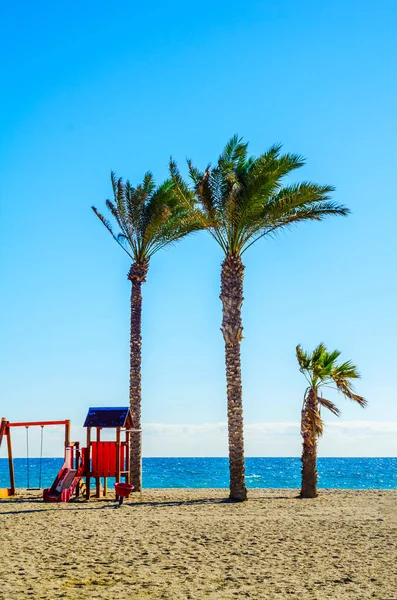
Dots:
pixel 242 198
pixel 149 217
pixel 321 369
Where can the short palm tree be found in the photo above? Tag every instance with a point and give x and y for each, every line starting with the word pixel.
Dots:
pixel 241 200
pixel 149 217
pixel 320 369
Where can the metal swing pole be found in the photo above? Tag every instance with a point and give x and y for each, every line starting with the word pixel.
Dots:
pixel 5 431
pixel 41 455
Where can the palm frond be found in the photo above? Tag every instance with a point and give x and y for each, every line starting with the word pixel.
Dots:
pixel 303 358
pixel 196 200
pixel 330 358
pixel 182 190
pixel 347 370
pixel 318 353
pixel 195 174
pixel 114 181
pixel 329 405
pixel 234 154
pixel 345 388
pixel 148 185
pixel 204 192
pixel 109 228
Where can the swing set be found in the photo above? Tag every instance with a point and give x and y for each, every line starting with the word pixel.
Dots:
pixel 5 432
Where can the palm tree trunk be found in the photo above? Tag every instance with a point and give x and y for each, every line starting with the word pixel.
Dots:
pixel 137 276
pixel 232 298
pixel 309 451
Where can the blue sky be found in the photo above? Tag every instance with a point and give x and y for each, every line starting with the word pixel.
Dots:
pixel 91 87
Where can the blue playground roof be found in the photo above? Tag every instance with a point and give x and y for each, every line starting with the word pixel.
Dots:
pixel 113 416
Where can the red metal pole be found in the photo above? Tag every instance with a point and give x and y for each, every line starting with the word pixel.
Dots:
pixel 3 426
pixel 10 462
pixel 97 479
pixel 67 433
pixel 38 423
pixel 117 456
pixel 87 479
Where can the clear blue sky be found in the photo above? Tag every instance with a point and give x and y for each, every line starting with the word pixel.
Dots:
pixel 94 86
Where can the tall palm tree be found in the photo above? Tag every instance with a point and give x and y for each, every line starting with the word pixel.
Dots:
pixel 320 369
pixel 149 217
pixel 241 200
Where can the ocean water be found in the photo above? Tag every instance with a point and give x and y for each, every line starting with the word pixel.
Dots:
pixel 343 473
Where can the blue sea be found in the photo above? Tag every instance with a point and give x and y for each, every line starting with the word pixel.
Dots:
pixel 342 473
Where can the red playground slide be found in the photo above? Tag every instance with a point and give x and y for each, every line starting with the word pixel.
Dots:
pixel 67 479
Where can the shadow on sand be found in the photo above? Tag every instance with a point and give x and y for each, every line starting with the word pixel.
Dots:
pixel 109 503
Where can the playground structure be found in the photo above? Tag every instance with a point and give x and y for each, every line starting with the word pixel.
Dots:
pixel 98 459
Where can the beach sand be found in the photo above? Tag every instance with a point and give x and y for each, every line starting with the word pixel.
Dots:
pixel 191 544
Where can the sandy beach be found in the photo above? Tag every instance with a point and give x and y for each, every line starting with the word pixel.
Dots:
pixel 191 544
